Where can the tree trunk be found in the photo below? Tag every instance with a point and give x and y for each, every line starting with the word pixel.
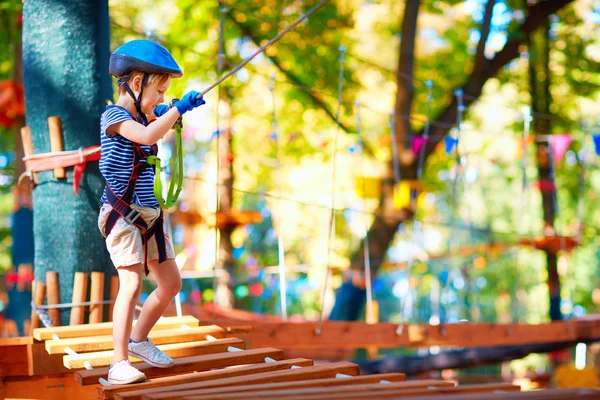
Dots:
pixel 382 230
pixel 539 79
pixel 65 71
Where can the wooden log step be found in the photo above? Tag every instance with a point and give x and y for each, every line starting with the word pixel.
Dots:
pixel 369 391
pixel 188 364
pixel 304 373
pixel 136 391
pixel 330 382
pixel 105 328
pixel 103 358
pixel 100 343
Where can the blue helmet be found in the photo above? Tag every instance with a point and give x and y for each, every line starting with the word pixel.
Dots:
pixel 144 56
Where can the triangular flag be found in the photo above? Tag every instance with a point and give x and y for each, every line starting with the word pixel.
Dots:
pixel 560 144
pixel 596 143
pixel 450 142
pixel 417 144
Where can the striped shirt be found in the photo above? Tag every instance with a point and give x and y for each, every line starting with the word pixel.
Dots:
pixel 116 162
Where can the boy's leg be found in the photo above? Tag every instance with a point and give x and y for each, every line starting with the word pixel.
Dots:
pixel 168 283
pixel 130 287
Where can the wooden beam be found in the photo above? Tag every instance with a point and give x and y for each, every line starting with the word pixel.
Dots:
pixel 188 364
pixel 305 373
pixel 103 358
pixel 330 382
pixel 79 295
pixel 97 294
pixel 28 148
pixel 53 289
pixel 47 387
pixel 361 390
pixel 56 143
pixel 334 334
pixel 550 394
pixel 39 290
pixel 136 391
pixel 105 328
pixel 100 343
pixel 41 363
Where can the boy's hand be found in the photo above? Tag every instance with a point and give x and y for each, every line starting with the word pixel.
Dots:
pixel 160 109
pixel 189 102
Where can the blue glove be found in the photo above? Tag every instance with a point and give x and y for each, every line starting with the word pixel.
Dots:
pixel 189 102
pixel 160 109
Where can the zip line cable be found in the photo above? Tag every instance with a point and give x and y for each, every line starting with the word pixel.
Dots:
pixel 331 236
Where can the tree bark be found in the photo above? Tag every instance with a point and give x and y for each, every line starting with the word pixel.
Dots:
pixel 539 80
pixel 65 71
pixel 384 229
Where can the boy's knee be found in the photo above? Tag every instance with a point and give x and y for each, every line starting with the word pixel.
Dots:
pixel 171 289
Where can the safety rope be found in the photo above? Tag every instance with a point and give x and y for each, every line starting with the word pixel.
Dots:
pixel 177 174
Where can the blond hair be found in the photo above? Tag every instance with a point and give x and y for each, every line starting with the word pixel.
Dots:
pixel 157 79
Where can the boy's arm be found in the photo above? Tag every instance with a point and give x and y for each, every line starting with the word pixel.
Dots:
pixel 147 135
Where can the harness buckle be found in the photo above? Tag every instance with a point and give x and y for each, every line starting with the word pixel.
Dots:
pixel 132 216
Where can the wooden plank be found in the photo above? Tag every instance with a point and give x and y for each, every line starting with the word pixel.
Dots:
pixel 483 334
pixel 136 391
pixel 47 387
pixel 553 394
pixel 334 334
pixel 105 328
pixel 14 359
pixel 53 288
pixel 103 358
pixel 56 142
pixel 100 343
pixel 79 295
pixel 114 290
pixel 330 382
pixel 40 363
pixel 40 292
pixel 304 373
pixel 338 391
pixel 97 294
pixel 188 364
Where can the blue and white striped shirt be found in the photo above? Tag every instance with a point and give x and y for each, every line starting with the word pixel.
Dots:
pixel 116 162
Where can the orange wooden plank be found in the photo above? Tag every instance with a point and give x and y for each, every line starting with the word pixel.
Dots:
pixel 136 391
pixel 188 364
pixel 329 382
pixel 378 389
pixel 305 373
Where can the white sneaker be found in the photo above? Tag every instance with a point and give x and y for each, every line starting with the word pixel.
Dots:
pixel 149 353
pixel 123 372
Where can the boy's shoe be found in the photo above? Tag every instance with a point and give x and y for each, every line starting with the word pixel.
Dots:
pixel 149 353
pixel 123 372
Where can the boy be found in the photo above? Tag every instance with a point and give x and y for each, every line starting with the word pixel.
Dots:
pixel 130 217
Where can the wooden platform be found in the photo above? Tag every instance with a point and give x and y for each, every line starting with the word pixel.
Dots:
pixel 211 364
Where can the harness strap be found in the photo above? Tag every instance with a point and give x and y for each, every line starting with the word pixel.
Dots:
pixel 121 208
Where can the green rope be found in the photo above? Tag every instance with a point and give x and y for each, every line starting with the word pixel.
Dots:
pixel 177 169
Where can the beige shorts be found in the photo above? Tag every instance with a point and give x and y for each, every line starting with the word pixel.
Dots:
pixel 124 243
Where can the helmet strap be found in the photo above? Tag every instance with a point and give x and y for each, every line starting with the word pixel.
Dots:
pixel 136 101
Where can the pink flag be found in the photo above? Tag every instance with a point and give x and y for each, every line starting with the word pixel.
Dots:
pixel 417 144
pixel 560 144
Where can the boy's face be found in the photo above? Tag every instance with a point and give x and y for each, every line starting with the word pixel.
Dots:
pixel 153 95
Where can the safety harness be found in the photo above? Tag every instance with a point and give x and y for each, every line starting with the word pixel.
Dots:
pixel 122 207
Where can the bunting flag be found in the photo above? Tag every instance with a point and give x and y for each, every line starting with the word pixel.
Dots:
pixel 560 144
pixel 450 143
pixel 417 144
pixel 546 186
pixel 273 136
pixel 596 138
